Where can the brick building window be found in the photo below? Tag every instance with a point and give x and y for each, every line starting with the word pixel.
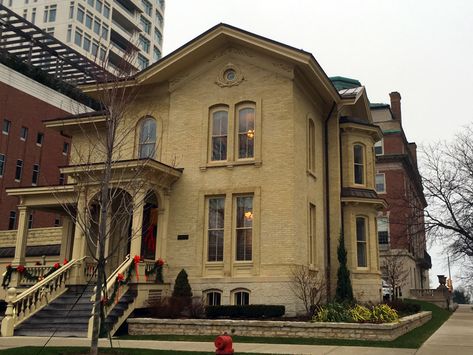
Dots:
pixel 30 221
pixel 383 230
pixel 361 247
pixel 215 228
pixel 62 179
pixel 213 297
pixel 40 138
pixel 6 127
pixel 12 220
pixel 219 132
pixel 380 183
pixel 2 164
pixel 241 297
pixel 35 177
pixel 65 148
pixel 23 133
pixel 244 228
pixel 359 163
pixel 246 132
pixel 19 170
pixel 379 147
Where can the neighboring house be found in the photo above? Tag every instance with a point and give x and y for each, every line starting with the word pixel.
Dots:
pixel 401 226
pixel 100 28
pixel 257 164
pixel 30 155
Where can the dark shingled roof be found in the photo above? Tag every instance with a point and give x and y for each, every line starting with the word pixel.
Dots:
pixel 355 192
pixel 35 250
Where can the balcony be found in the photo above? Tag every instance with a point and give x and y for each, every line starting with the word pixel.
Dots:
pixel 126 18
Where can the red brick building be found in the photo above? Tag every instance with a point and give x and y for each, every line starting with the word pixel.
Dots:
pixel 401 225
pixel 30 154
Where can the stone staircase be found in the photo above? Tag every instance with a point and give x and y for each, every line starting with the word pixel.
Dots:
pixel 66 316
pixel 118 310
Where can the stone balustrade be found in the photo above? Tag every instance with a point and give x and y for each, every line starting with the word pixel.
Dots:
pixel 283 329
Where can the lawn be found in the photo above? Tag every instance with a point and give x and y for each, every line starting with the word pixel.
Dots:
pixel 412 340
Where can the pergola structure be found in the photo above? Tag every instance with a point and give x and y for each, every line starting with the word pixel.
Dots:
pixel 28 42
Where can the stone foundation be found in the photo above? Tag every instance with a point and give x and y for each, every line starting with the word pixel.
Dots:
pixel 282 329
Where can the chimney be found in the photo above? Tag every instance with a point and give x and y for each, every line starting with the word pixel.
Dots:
pixel 396 105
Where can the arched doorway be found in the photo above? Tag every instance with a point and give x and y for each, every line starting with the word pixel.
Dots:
pixel 150 226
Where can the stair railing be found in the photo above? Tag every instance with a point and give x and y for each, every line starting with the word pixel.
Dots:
pixel 108 290
pixel 33 299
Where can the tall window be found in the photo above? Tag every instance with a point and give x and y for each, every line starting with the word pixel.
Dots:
pixel 311 145
pixel 35 178
pixel 40 138
pixel 142 62
pixel 2 164
pixel 361 248
pixel 241 298
pixel 49 13
pixel 30 221
pixel 19 170
pixel 359 164
pixel 219 135
pixel 147 143
pixel 246 132
pixel 380 183
pixel 244 227
pixel 145 24
pixel 216 228
pixel 6 126
pixel 23 133
pixel 12 220
pixel 311 234
pixel 379 147
pixel 383 230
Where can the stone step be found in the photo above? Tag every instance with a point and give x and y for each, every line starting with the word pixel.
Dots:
pixel 47 333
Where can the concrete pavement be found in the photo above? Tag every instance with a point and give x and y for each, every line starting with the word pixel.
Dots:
pixel 454 337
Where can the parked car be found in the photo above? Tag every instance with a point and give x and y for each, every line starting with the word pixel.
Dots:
pixel 386 289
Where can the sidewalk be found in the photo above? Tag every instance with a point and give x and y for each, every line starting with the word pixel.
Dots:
pixel 454 337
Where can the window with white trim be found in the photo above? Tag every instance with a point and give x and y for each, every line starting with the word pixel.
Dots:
pixel 6 126
pixel 241 297
pixel 381 183
pixel 213 297
pixel 379 147
pixel 35 177
pixel 383 230
pixel 19 170
pixel 23 133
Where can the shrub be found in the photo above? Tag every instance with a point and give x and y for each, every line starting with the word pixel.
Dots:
pixel 382 313
pixel 344 291
pixel 343 312
pixel 404 307
pixel 246 311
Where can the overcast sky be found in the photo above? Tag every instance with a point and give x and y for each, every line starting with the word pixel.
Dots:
pixel 422 48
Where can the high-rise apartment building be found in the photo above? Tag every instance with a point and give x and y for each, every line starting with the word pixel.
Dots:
pixel 101 29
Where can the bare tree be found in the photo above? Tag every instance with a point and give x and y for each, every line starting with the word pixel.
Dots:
pixel 448 185
pixel 107 189
pixel 393 268
pixel 308 286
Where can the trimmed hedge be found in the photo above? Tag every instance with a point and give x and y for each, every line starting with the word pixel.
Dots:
pixel 404 307
pixel 247 311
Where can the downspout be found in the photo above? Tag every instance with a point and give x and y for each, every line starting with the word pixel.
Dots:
pixel 327 201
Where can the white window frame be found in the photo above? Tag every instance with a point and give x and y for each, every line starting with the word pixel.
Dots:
pixel 220 229
pixel 379 144
pixel 250 227
pixel 362 242
pixel 383 191
pixel 236 292
pixel 208 293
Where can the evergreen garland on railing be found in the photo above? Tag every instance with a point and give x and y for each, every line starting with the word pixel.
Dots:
pixel 25 274
pixel 158 269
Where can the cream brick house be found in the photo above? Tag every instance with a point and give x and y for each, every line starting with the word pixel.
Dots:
pixel 257 165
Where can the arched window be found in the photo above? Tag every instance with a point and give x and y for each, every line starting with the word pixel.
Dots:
pixel 213 297
pixel 219 132
pixel 359 163
pixel 147 142
pixel 246 132
pixel 241 297
pixel 361 240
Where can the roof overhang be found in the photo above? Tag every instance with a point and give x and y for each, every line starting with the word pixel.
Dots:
pixel 366 128
pixel 45 197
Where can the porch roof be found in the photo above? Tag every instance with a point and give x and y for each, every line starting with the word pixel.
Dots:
pixel 50 198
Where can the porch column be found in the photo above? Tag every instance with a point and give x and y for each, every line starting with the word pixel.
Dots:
pixel 67 238
pixel 21 236
pixel 78 248
pixel 137 223
pixel 163 220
